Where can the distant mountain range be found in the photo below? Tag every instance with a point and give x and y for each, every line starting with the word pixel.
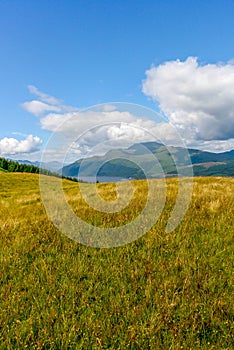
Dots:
pixel 52 166
pixel 128 163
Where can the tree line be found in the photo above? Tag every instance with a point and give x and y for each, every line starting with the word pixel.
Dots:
pixel 14 166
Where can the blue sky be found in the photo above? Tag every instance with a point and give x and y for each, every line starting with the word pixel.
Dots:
pixel 84 53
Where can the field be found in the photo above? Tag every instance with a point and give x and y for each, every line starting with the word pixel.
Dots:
pixel 163 291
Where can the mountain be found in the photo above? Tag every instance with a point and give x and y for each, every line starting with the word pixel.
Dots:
pixel 52 166
pixel 128 163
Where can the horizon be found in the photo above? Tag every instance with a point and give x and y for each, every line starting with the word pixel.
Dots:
pixel 100 155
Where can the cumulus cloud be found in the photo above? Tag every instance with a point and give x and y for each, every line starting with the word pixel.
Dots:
pixel 91 128
pixel 115 126
pixel 95 132
pixel 124 131
pixel 78 123
pixel 12 146
pixel 198 99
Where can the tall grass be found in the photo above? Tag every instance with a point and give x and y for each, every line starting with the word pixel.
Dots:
pixel 163 291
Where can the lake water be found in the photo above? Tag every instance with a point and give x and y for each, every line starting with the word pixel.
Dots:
pixel 94 179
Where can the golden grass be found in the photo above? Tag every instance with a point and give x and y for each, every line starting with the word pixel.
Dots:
pixel 163 291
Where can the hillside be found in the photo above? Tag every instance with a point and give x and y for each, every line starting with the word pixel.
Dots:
pixel 127 163
pixel 162 291
pixel 11 166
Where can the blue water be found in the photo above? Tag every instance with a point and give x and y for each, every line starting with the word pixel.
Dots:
pixel 94 179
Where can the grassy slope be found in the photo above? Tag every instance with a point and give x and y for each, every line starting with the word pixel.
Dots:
pixel 164 291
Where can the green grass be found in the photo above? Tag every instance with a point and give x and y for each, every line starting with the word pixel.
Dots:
pixel 163 291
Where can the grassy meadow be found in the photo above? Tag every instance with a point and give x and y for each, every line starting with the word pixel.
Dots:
pixel 163 291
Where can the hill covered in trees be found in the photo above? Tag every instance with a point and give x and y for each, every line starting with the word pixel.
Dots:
pixel 7 165
pixel 14 166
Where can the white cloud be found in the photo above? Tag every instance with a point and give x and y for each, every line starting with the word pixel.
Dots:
pixel 115 126
pixel 12 146
pixel 198 99
pixel 125 131
pixel 72 124
pixel 109 108
pixel 38 108
pixel 215 146
pixel 95 132
pixel 44 97
pixel 45 103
